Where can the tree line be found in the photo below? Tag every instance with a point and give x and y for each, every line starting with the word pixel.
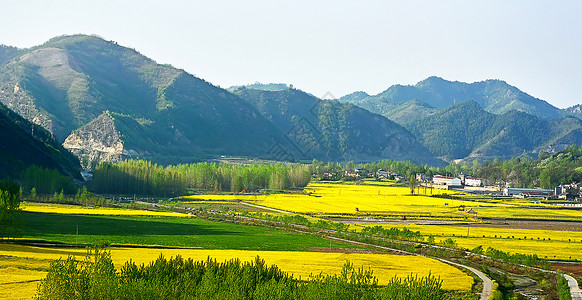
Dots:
pixel 146 178
pixel 176 278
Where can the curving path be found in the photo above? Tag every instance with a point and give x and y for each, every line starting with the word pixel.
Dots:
pixel 487 282
pixel 574 289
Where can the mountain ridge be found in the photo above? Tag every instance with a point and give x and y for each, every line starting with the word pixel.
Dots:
pixel 495 96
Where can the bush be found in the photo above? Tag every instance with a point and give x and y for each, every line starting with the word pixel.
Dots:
pixel 178 278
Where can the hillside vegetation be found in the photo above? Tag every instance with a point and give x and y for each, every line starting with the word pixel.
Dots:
pixel 25 144
pixel 331 130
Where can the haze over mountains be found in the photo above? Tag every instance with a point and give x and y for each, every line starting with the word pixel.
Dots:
pixel 105 102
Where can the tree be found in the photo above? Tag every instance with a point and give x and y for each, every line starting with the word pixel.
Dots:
pixel 9 207
pixel 412 183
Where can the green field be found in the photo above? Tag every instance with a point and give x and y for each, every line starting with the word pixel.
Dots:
pixel 163 231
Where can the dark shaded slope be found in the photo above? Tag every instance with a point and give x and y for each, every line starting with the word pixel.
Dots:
pixel 24 144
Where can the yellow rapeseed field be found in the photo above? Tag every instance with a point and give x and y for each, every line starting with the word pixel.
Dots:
pixel 383 199
pixel 300 264
pixel 549 244
pixel 80 210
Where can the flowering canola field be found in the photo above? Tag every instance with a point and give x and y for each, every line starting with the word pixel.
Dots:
pixel 19 280
pixel 324 198
pixel 548 244
pixel 80 210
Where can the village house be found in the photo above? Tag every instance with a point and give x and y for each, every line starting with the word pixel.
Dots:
pixel 473 181
pixel 568 191
pixel 447 180
pixel 382 174
pixel 421 177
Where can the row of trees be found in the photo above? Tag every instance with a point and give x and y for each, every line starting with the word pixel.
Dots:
pixel 46 181
pixel 145 178
pixel 178 278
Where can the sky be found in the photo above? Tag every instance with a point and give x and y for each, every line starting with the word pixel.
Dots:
pixel 331 47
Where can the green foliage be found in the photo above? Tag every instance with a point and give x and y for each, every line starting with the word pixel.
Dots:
pixel 9 208
pixel 27 144
pixel 178 278
pixel 563 288
pixel 146 178
pixel 46 181
pixel 516 258
pixel 392 233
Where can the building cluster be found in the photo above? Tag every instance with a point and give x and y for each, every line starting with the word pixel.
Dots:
pixel 564 191
pixel 571 191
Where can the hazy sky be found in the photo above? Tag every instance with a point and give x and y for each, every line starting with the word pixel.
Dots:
pixel 331 46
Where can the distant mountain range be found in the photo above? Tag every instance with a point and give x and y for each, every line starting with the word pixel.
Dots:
pixel 106 102
pixel 480 120
pixel 495 96
pixel 466 130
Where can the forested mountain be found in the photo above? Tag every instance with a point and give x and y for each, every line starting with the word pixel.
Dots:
pixel 260 86
pixel 106 102
pixel 7 53
pixel 160 112
pixel 24 144
pixel 465 130
pixel 575 111
pixel 495 96
pixel 330 130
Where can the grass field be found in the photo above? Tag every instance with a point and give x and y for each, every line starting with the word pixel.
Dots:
pixel 20 279
pixel 162 231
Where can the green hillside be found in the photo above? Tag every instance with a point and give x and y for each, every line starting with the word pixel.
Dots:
pixel 163 113
pixel 495 96
pixel 24 144
pixel 465 130
pixel 7 53
pixel 330 130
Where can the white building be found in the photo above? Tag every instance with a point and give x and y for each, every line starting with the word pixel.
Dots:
pixel 446 180
pixel 526 192
pixel 472 181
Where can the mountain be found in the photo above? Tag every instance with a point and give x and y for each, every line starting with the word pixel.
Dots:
pixel 575 111
pixel 494 96
pixel 24 144
pixel 260 86
pixel 7 53
pixel 72 85
pixel 354 97
pixel 331 130
pixel 466 131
